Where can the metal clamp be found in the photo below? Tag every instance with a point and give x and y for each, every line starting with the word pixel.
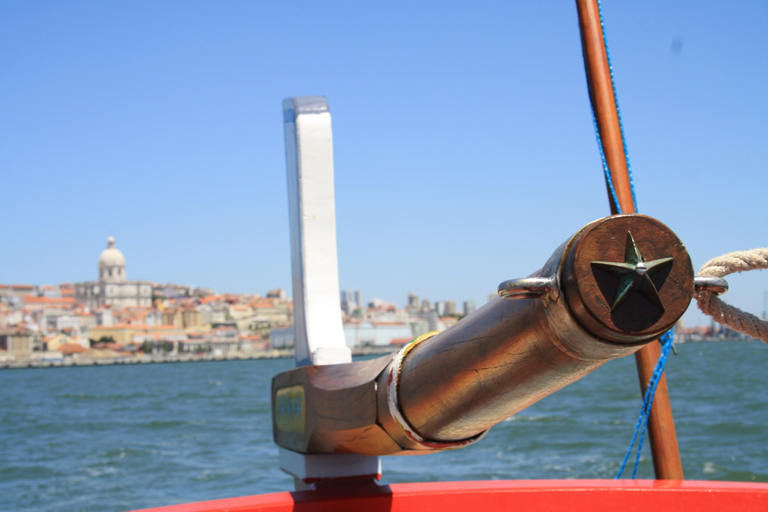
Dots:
pixel 529 288
pixel 716 285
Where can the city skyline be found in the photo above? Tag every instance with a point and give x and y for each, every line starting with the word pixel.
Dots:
pixel 463 139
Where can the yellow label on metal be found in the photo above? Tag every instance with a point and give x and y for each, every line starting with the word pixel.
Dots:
pixel 290 410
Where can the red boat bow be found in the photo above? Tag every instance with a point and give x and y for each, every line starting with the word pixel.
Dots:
pixel 527 495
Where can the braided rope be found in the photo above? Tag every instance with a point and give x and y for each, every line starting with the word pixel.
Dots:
pixel 723 313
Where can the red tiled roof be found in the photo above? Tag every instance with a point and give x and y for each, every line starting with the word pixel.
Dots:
pixel 135 326
pixel 31 299
pixel 71 348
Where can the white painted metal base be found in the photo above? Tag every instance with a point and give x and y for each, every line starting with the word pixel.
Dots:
pixel 310 469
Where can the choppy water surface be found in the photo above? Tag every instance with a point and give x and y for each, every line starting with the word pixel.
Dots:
pixel 126 437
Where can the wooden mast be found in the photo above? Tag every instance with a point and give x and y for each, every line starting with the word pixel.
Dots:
pixel 661 426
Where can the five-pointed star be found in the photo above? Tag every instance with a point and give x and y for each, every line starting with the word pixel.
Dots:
pixel 634 275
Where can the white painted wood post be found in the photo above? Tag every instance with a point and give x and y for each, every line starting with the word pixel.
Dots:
pixel 318 331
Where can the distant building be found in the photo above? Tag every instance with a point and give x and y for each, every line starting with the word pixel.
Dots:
pixel 277 294
pixel 69 323
pixel 54 341
pixel 125 334
pixel 375 333
pixel 16 290
pixel 17 342
pixel 282 337
pixel 113 288
pixel 351 300
pixel 434 321
pixel 173 291
pixel 419 326
pixel 469 307
pixel 105 317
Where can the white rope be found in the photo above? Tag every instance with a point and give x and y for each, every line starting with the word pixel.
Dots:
pixel 723 313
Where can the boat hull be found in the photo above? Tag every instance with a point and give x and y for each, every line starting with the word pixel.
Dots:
pixel 528 495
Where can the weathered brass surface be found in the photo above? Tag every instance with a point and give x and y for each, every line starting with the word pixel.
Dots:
pixel 590 290
pixel 510 354
pixel 340 414
pixel 505 356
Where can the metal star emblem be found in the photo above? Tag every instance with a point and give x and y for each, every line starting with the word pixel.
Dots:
pixel 634 275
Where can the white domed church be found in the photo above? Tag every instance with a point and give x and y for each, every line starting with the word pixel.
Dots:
pixel 113 288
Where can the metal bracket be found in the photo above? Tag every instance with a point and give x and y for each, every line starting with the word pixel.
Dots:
pixel 529 288
pixel 716 285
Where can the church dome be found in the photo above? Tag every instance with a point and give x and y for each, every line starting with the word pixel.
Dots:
pixel 112 264
pixel 111 256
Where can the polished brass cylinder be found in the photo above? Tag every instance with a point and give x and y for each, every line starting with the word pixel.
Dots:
pixel 511 353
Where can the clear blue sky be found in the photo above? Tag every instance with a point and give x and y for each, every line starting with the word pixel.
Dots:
pixel 463 139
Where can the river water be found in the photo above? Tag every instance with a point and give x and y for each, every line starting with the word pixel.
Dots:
pixel 125 437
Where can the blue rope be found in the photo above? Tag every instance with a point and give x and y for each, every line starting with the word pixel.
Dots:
pixel 667 339
pixel 605 165
pixel 645 411
pixel 621 128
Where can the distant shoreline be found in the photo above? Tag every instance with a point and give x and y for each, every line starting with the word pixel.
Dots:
pixel 167 359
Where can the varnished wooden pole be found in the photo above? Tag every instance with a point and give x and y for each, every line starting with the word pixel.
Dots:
pixel 661 426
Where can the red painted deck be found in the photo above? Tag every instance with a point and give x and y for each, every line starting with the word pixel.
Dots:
pixel 506 495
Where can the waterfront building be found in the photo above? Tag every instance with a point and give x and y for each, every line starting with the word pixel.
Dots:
pixel 361 334
pixel 17 342
pixel 282 337
pixel 113 287
pixel 54 341
pixel 126 334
